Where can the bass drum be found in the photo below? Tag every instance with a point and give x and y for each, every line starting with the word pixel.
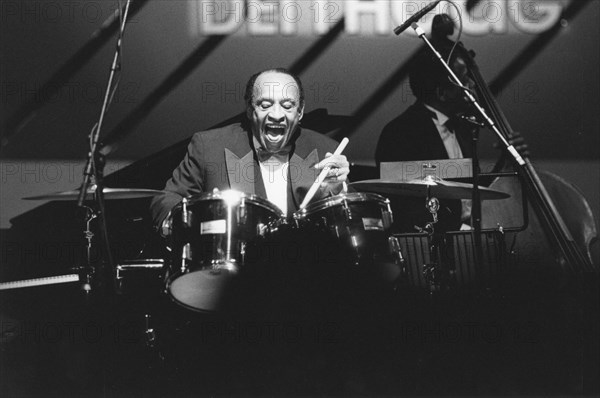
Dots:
pixel 211 234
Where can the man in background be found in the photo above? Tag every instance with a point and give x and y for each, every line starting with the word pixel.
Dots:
pixel 432 128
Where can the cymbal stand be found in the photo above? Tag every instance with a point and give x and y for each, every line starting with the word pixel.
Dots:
pixel 94 169
pixel 432 271
pixel 86 272
pixel 474 126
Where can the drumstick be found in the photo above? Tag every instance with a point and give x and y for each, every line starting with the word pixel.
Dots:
pixel 313 188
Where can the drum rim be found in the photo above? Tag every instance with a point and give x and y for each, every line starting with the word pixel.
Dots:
pixel 338 199
pixel 218 195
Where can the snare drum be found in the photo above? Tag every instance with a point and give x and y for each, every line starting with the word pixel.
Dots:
pixel 360 223
pixel 211 235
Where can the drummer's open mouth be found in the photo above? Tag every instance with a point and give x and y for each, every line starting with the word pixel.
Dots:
pixel 274 132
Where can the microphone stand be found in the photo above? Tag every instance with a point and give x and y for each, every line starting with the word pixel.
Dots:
pixel 476 195
pixel 94 168
pixel 489 122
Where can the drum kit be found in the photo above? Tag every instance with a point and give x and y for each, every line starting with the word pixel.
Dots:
pixel 220 240
pixel 212 234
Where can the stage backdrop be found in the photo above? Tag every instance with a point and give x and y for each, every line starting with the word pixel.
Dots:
pixel 184 66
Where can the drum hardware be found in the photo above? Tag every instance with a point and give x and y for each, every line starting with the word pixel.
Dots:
pixel 432 277
pixel 347 210
pixel 243 252
pixel 87 271
pixel 432 272
pixel 261 229
pixel 185 257
pixel 185 216
pixel 149 332
pixel 242 215
pixel 138 271
pixel 388 218
pixel 88 274
pixel 228 241
pixel 394 247
pixel 432 188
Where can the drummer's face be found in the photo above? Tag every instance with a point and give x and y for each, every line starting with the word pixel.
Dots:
pixel 275 110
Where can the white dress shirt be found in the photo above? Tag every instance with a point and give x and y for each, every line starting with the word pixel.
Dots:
pixel 448 137
pixel 275 178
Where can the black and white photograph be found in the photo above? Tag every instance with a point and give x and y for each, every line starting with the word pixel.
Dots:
pixel 299 198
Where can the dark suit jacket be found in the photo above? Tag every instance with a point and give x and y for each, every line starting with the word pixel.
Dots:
pixel 225 158
pixel 413 136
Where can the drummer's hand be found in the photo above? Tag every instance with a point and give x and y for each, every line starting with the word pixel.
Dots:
pixel 339 168
pixel 165 228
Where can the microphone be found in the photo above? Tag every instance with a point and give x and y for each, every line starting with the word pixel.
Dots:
pixel 415 17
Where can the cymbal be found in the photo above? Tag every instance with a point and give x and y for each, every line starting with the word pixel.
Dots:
pixel 109 193
pixel 438 188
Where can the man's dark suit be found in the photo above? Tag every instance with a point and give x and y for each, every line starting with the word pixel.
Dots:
pixel 413 136
pixel 225 158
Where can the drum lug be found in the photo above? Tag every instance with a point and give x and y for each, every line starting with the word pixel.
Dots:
pixel 243 251
pixel 347 210
pixel 186 255
pixel 185 214
pixel 387 218
pixel 242 214
pixel 336 230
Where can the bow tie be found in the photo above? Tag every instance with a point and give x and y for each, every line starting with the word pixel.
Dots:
pixel 282 155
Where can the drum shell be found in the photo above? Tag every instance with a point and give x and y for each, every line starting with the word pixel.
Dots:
pixel 359 224
pixel 212 234
pixel 218 231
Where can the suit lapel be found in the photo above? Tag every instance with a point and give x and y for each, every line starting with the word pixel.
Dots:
pixel 463 136
pixel 301 175
pixel 242 172
pixel 433 145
